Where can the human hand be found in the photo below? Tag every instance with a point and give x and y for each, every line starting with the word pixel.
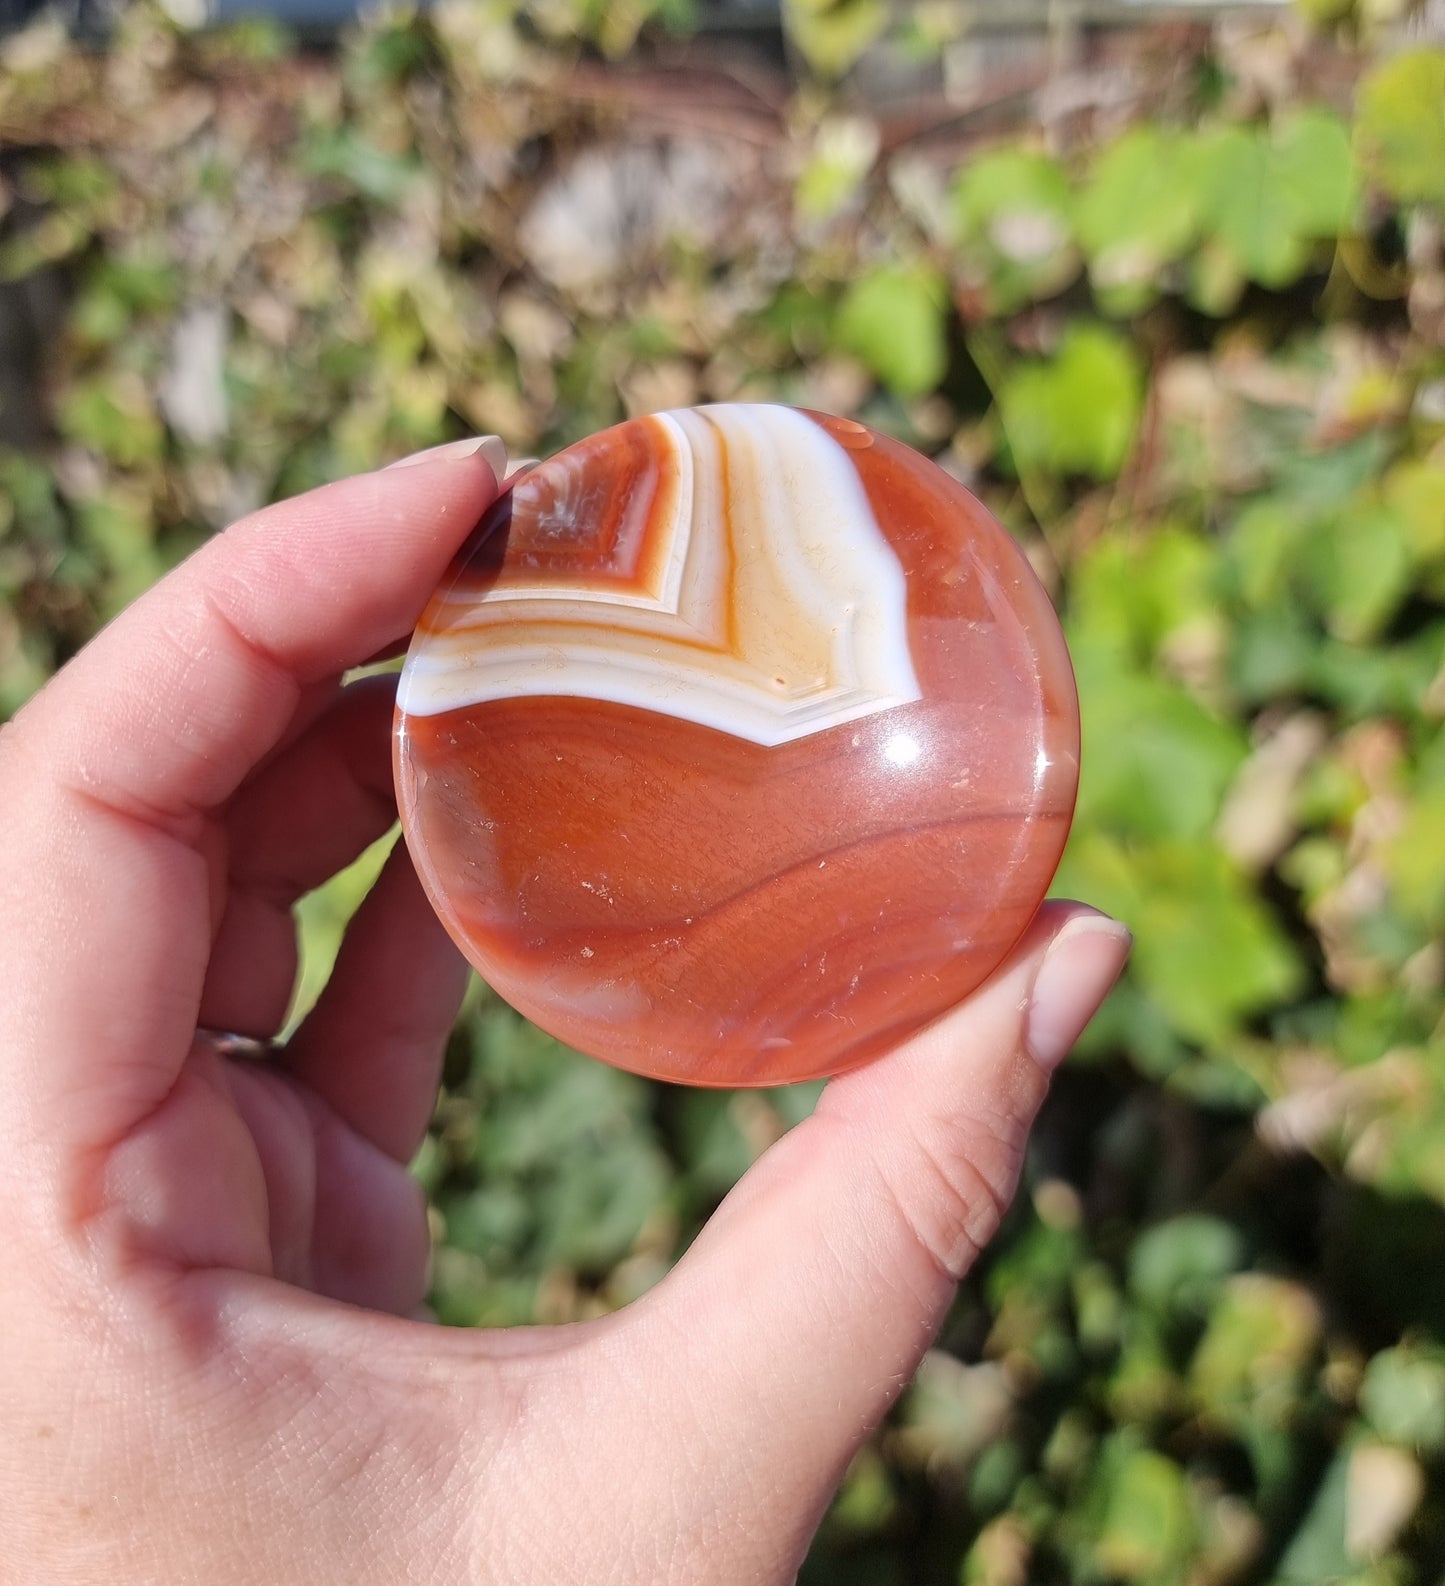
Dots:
pixel 207 1373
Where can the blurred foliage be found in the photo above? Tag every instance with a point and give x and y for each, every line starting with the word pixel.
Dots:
pixel 1187 343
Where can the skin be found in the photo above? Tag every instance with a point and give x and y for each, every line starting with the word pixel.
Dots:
pixel 207 1373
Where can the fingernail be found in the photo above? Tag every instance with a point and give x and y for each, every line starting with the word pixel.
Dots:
pixel 1080 968
pixel 523 465
pixel 491 448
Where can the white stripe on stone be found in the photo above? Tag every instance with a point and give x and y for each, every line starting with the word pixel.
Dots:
pixel 807 585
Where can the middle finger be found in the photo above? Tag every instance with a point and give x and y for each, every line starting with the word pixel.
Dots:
pixel 307 814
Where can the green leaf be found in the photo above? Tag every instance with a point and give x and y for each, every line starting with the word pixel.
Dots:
pixel 1262 548
pixel 1077 412
pixel 114 416
pixel 591 1213
pixel 1400 126
pixel 28 490
pixel 1129 597
pixel 1178 1267
pixel 1009 182
pixel 53 237
pixel 1315 480
pixel 1156 763
pixel 1148 1527
pixel 1139 210
pixel 798 319
pixel 321 920
pixel 1244 208
pixel 1207 949
pixel 345 156
pixel 1312 169
pixel 494 1222
pixel 1254 1358
pixel 833 34
pixel 256 39
pixel 1298 550
pixel 1415 860
pixel 842 154
pixel 893 319
pixel 1403 1395
pixel 1215 953
pixel 576 1107
pixel 1325 13
pixel 866 1502
pixel 1358 568
pixel 1012 226
pixel 1416 490
pixel 82 184
pixel 712 1143
pixel 1143 1385
pixel 1317 1550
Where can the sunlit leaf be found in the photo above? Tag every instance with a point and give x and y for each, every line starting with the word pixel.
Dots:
pixel 1313 171
pixel 1012 226
pixel 1207 949
pixel 842 155
pixel 1077 412
pixel 1253 1361
pixel 833 34
pixel 1148 1527
pixel 1244 208
pixel 1415 857
pixel 893 319
pixel 1401 125
pixel 1359 568
pixel 1139 210
pixel 1156 763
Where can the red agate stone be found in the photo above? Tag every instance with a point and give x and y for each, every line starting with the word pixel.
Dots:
pixel 738 744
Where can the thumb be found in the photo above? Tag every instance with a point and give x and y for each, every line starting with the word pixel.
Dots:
pixel 806 1304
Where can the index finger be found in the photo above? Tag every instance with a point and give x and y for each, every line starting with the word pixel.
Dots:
pixel 107 778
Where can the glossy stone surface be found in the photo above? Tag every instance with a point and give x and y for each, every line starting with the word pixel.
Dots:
pixel 738 744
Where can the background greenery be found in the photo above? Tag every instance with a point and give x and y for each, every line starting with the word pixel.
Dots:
pixel 1185 337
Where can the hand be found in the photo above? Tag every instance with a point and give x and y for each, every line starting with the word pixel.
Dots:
pixel 184 1396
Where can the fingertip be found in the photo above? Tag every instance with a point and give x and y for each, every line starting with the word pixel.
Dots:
pixel 1080 967
pixel 490 449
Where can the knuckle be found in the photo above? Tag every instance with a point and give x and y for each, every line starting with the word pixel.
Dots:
pixel 959 1178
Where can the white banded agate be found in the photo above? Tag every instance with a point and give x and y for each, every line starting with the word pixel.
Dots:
pixel 739 744
pixel 763 601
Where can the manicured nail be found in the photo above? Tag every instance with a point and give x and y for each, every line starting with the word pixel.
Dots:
pixel 1081 965
pixel 523 465
pixel 490 446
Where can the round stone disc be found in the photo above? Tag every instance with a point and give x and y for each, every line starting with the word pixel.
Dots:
pixel 738 744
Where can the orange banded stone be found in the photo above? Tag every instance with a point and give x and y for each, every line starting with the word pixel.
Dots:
pixel 738 744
